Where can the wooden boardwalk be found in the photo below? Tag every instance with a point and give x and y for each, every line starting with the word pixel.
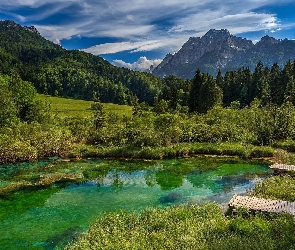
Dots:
pixel 263 205
pixel 282 167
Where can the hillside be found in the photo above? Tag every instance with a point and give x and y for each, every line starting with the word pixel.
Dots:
pixel 219 50
pixel 70 73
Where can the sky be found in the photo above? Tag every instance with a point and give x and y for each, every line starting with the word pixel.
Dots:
pixel 137 34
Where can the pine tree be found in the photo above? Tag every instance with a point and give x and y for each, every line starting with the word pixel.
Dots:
pixel 194 92
pixel 210 94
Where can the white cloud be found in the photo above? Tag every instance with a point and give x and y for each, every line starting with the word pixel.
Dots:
pixel 143 25
pixel 111 48
pixel 56 34
pixel 142 64
pixel 235 23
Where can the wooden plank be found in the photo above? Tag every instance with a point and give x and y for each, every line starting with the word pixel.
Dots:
pixel 277 166
pixel 264 205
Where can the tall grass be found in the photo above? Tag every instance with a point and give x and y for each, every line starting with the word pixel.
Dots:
pixel 193 227
pixel 276 188
pixel 177 150
pixel 284 156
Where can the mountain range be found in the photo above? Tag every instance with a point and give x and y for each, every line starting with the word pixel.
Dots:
pixel 220 50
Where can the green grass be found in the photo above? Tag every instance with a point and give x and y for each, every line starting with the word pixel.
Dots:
pixel 189 227
pixel 177 150
pixel 66 107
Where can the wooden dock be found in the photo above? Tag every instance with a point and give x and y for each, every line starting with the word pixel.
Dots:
pixel 282 167
pixel 263 205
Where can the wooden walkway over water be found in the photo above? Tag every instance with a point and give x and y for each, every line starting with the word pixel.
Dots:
pixel 266 205
pixel 282 167
pixel 263 205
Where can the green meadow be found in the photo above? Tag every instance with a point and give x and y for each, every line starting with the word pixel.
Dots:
pixel 68 107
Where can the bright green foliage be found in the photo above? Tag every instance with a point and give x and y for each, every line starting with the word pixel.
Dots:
pixel 27 131
pixel 249 125
pixel 193 227
pixel 161 107
pixel 276 188
pixel 19 102
pixel 8 110
pixel 98 114
pixel 25 142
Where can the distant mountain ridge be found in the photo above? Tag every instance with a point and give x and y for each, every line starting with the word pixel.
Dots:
pixel 220 50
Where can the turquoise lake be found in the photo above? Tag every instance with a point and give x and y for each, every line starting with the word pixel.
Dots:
pixel 50 217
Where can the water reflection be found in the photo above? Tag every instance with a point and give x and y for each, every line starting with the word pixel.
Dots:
pixel 51 216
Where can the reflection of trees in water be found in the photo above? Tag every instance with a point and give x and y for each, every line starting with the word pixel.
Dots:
pixel 169 180
pixel 227 183
pixel 150 178
pixel 117 183
pixel 204 180
pixel 216 182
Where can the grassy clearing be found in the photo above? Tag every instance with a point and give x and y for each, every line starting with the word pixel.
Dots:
pixel 193 227
pixel 66 107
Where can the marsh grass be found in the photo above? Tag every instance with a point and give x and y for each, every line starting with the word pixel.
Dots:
pixel 276 188
pixel 177 150
pixel 188 227
pixel 284 156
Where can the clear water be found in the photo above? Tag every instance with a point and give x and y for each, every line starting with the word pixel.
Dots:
pixel 51 217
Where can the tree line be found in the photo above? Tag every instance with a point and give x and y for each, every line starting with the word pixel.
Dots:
pixel 272 86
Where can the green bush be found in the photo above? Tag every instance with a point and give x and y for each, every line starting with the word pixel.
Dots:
pixel 188 227
pixel 258 152
pixel 288 145
pixel 25 142
pixel 276 188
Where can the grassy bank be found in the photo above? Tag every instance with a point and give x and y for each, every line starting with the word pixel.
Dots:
pixel 193 227
pixel 178 150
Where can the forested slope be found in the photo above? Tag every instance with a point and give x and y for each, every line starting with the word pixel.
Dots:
pixel 71 73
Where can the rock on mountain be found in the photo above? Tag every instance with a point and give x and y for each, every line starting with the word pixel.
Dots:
pixel 218 49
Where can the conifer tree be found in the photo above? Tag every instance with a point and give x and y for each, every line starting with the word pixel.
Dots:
pixel 194 92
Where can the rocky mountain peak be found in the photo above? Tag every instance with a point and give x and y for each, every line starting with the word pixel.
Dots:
pixel 213 33
pixel 214 42
pixel 268 40
pixel 220 50
pixel 32 29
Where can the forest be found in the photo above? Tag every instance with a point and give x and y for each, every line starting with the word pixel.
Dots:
pixel 241 107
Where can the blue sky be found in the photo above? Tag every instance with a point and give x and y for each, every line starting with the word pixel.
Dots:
pixel 139 33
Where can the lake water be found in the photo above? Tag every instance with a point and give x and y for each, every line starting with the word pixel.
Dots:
pixel 50 217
